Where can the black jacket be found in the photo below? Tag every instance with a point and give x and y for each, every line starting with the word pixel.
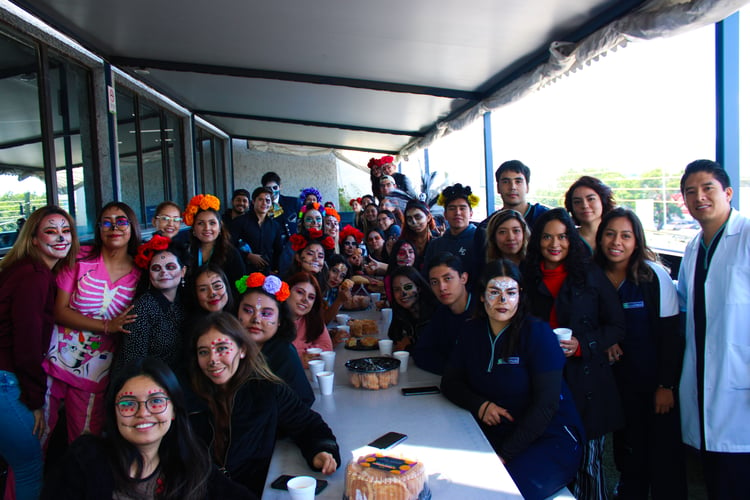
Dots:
pixel 260 411
pixel 593 311
pixel 85 473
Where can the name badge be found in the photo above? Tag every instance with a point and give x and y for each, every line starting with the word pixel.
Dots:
pixel 513 360
pixel 633 305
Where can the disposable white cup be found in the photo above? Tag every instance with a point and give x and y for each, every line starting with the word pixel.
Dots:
pixel 386 347
pixel 402 356
pixel 314 351
pixel 325 379
pixel 386 315
pixel 342 319
pixel 316 366
pixel 328 357
pixel 301 488
pixel 374 298
pixel 563 333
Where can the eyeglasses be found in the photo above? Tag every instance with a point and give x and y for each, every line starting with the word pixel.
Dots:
pixel 154 406
pixel 167 219
pixel 120 223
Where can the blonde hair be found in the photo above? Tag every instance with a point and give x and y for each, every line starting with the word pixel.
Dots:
pixel 24 245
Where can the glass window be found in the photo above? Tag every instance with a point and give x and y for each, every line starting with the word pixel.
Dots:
pixel 635 119
pixel 154 174
pixel 211 176
pixel 128 143
pixel 22 186
pixel 175 158
pixel 74 159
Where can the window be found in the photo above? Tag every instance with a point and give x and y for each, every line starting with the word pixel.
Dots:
pixel 211 165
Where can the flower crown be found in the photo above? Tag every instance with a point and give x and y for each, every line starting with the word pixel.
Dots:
pixel 269 284
pixel 202 202
pixel 353 200
pixel 331 212
pixel 309 206
pixel 307 191
pixel 300 242
pixel 147 250
pixel 350 230
pixel 457 191
pixel 379 162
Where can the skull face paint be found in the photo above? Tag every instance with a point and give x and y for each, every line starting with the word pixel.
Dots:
pixel 501 301
pixel 405 292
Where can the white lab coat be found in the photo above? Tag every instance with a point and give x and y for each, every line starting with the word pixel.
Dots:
pixel 727 354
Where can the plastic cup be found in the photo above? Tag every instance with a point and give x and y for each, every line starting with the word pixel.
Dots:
pixel 316 366
pixel 343 332
pixel 301 488
pixel 402 356
pixel 374 299
pixel 342 319
pixel 386 315
pixel 314 352
pixel 328 357
pixel 386 347
pixel 563 333
pixel 325 379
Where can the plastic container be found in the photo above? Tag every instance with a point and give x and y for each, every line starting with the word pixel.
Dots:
pixel 373 373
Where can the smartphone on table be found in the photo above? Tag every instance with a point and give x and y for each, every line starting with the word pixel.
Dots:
pixel 280 483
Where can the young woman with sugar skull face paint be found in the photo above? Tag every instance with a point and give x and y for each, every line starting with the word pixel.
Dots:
pixel 506 370
pixel 248 406
pixel 413 304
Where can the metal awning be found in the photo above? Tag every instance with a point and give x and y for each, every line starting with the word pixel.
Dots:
pixel 347 74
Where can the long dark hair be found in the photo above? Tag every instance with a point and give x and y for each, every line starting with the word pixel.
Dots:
pixel 252 367
pixel 392 264
pixel 314 322
pixel 135 231
pixel 602 190
pixel 222 244
pixel 499 218
pixel 638 268
pixel 505 268
pixel 575 262
pixel 184 463
pixel 426 301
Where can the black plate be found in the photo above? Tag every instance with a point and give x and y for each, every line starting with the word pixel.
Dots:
pixel 372 365
pixel 360 347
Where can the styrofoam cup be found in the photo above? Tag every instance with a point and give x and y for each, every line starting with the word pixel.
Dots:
pixel 386 347
pixel 386 315
pixel 344 332
pixel 316 366
pixel 563 333
pixel 314 351
pixel 301 488
pixel 342 319
pixel 328 357
pixel 325 379
pixel 374 298
pixel 402 356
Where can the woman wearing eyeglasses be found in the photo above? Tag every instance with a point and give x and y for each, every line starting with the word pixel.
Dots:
pixel 149 450
pixel 167 219
pixel 92 308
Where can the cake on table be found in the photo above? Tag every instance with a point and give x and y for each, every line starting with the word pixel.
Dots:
pixel 379 477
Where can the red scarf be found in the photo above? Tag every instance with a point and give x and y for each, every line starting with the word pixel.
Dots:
pixel 553 279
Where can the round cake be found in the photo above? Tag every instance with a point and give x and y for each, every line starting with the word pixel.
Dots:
pixel 379 477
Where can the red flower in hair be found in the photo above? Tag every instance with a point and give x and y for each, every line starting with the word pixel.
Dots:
pixel 315 233
pixel 298 242
pixel 146 250
pixel 350 230
pixel 328 243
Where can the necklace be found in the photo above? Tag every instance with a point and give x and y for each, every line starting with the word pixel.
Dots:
pixel 616 280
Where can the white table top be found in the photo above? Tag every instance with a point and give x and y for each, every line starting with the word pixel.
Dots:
pixel 459 460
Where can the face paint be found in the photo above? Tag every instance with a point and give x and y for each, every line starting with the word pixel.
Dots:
pixel 259 314
pixel 504 289
pixel 218 356
pixel 405 292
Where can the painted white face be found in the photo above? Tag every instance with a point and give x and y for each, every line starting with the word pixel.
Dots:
pixel 405 292
pixel 276 190
pixel 311 259
pixel 53 238
pixel 416 220
pixel 312 220
pixel 165 271
pixel 501 299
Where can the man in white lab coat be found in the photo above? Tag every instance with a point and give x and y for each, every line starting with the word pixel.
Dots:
pixel 714 289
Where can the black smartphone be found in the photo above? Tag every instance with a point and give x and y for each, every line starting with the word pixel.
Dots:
pixel 387 440
pixel 414 391
pixel 280 483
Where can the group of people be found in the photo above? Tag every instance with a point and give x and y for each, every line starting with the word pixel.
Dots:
pixel 215 321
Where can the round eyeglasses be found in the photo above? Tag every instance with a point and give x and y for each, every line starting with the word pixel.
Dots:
pixel 155 406
pixel 120 223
